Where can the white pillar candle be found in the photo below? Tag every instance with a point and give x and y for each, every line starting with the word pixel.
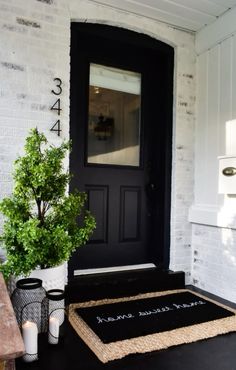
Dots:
pixel 53 334
pixel 30 338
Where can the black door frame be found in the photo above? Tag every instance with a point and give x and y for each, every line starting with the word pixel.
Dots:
pixel 167 53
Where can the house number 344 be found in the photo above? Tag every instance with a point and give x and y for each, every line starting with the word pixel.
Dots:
pixel 57 105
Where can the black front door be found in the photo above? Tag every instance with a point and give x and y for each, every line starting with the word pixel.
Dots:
pixel 121 120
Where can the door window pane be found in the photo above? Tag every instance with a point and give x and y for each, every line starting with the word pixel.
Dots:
pixel 114 116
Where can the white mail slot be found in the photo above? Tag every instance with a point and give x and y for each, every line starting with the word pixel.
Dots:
pixel 227 175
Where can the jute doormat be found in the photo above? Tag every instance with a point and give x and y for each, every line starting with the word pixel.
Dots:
pixel 114 328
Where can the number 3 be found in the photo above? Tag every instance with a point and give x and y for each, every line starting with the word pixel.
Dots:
pixel 58 86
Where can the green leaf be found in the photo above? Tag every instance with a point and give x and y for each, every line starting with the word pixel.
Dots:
pixel 43 225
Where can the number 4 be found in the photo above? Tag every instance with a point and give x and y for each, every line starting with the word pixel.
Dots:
pixel 57 106
pixel 56 127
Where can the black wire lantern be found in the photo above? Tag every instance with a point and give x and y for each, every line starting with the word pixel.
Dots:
pixel 27 301
pixel 54 302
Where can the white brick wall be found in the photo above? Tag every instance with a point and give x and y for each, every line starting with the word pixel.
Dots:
pixel 183 163
pixel 34 49
pixel 214 257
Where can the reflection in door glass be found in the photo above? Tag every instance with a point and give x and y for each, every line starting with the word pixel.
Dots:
pixel 114 116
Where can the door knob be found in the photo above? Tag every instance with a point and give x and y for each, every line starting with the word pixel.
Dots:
pixel 151 188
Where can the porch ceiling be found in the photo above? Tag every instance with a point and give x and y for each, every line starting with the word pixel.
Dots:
pixel 191 15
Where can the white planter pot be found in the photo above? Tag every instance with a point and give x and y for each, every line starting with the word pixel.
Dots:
pixel 53 277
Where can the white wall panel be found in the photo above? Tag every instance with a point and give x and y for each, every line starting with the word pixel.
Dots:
pixel 214 215
pixel 233 77
pixel 225 114
pixel 216 105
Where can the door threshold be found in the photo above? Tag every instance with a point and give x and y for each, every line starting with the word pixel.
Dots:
pixel 105 270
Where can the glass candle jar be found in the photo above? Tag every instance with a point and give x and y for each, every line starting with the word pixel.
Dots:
pixel 56 304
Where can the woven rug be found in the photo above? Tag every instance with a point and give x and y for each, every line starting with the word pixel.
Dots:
pixel 115 328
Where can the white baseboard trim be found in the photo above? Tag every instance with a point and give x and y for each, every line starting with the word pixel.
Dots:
pixel 114 269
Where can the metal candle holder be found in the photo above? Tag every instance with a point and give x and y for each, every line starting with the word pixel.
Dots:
pixel 27 300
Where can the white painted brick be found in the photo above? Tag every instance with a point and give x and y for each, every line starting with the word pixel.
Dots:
pixel 44 53
pixel 218 251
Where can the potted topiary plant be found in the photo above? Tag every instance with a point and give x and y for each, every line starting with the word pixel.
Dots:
pixel 43 225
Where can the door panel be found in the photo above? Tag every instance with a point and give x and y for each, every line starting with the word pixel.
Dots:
pixel 98 206
pixel 130 213
pixel 122 157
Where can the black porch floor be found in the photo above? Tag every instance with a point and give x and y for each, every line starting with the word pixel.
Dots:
pixel 71 353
